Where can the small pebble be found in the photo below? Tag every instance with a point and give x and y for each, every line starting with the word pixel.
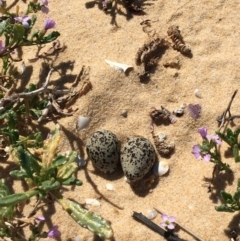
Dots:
pixel 160 168
pixel 110 186
pixel 92 201
pixel 82 122
pixel 77 238
pixel 124 113
pixel 197 93
pixel 151 214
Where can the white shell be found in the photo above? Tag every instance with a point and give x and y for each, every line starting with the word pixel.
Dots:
pixel 110 186
pixel 197 93
pixel 92 201
pixel 160 168
pixel 178 112
pixel 77 238
pixel 80 161
pixel 151 214
pixel 172 119
pixel 118 66
pixel 82 122
pixel 162 137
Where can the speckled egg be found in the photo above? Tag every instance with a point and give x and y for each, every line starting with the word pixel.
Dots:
pixel 103 149
pixel 137 158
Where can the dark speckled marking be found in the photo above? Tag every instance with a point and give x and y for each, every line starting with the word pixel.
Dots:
pixel 103 149
pixel 137 158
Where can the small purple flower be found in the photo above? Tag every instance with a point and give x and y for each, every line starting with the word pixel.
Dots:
pixel 54 232
pixel 1 46
pixel 196 151
pixel 203 132
pixel 40 219
pixel 169 222
pixel 44 4
pixel 24 20
pixel 1 2
pixel 215 138
pixel 49 23
pixel 104 3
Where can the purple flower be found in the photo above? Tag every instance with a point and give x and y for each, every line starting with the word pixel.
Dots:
pixel 24 20
pixel 104 3
pixel 54 232
pixel 44 4
pixel 169 222
pixel 1 46
pixel 203 132
pixel 196 151
pixel 49 23
pixel 1 2
pixel 215 138
pixel 40 219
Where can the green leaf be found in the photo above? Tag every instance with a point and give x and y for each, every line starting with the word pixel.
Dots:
pixel 4 191
pixel 224 137
pixel 58 161
pixel 49 185
pixel 72 181
pixel 87 219
pixel 18 32
pixel 66 171
pixel 236 196
pixel 3 26
pixel 224 208
pixel 18 174
pixel 236 153
pixel 16 198
pixel 12 120
pixel 50 37
pixel 227 197
pixel 28 162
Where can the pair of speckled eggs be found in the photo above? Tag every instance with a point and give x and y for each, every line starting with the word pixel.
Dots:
pixel 137 154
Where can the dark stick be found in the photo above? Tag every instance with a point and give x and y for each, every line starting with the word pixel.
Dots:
pixel 167 235
pixel 222 119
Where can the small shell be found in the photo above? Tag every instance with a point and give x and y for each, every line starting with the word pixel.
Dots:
pixel 82 122
pixel 110 186
pixel 118 66
pixel 92 201
pixel 151 214
pixel 178 112
pixel 197 93
pixel 172 119
pixel 124 113
pixel 162 137
pixel 77 238
pixel 160 168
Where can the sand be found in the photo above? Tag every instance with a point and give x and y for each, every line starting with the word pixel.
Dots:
pixel 211 29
